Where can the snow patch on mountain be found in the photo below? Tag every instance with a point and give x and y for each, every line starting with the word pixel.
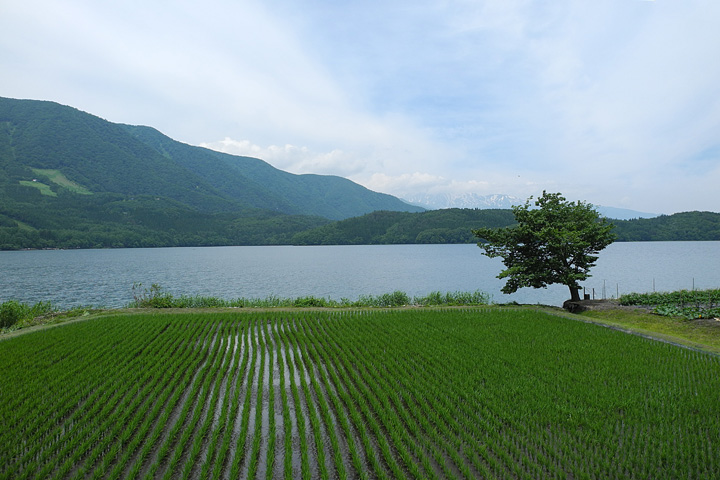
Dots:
pixel 437 201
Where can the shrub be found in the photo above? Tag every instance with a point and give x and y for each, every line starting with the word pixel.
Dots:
pixel 11 312
pixel 310 302
pixel 153 297
pixel 395 299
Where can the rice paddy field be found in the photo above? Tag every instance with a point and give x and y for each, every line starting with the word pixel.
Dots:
pixel 400 393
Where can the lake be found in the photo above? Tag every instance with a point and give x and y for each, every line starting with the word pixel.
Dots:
pixel 70 278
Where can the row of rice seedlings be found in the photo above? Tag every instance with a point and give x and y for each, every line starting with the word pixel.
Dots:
pixel 190 365
pixel 382 387
pixel 240 446
pixel 257 434
pixel 44 425
pixel 287 471
pixel 335 421
pixel 121 428
pixel 331 383
pixel 198 403
pixel 305 470
pixel 305 373
pixel 169 445
pixel 271 436
pixel 222 422
pixel 92 423
pixel 180 360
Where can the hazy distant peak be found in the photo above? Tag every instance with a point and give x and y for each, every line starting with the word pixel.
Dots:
pixel 436 201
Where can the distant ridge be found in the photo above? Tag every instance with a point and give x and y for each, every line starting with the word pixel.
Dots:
pixel 623 213
pixel 439 201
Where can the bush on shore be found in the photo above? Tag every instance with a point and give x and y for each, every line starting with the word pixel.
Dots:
pixel 14 313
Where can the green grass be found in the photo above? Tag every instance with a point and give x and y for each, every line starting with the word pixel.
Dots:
pixel 157 297
pixel 44 189
pixel 473 392
pixel 60 179
pixel 703 334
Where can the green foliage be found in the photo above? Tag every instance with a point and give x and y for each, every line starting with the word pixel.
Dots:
pixel 555 241
pixel 452 225
pixel 394 299
pixel 13 313
pixel 157 297
pixel 310 301
pixel 690 226
pixel 689 304
pixel 453 298
pixel 153 297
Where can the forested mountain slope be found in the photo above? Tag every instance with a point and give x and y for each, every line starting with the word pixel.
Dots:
pixel 454 225
pixel 104 157
pixel 71 179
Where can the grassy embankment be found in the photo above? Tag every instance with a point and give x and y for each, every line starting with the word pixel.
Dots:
pixel 702 334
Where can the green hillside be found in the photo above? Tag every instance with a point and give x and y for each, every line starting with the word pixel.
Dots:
pixel 698 226
pixel 105 157
pixel 70 179
pixel 454 225
pixel 261 185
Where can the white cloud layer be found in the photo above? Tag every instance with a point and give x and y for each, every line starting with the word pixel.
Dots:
pixel 614 102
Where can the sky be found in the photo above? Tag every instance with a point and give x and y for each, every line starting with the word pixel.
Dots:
pixel 612 102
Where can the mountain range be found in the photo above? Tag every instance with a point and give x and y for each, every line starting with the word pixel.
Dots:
pixel 69 179
pixel 438 201
pixel 103 157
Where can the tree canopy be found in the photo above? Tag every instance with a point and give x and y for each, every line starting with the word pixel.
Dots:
pixel 554 241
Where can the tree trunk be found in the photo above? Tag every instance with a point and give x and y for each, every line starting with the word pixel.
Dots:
pixel 574 293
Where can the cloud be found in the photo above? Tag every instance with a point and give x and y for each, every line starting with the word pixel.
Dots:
pixel 292 158
pixel 610 102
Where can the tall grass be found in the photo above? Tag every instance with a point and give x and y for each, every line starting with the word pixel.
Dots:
pixel 156 297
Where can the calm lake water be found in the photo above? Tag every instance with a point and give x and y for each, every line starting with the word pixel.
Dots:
pixel 71 278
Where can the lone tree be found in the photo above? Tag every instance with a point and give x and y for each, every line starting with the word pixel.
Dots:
pixel 555 241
